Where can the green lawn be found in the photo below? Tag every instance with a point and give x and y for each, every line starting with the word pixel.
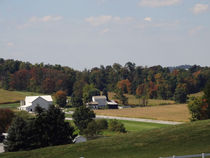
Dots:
pixel 10 106
pixel 190 138
pixel 133 126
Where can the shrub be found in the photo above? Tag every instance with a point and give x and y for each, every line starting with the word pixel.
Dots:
pixel 102 124
pixel 197 108
pixel 116 126
pixel 92 129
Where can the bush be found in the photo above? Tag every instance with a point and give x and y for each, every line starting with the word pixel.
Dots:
pixel 102 124
pixel 116 126
pixel 197 108
pixel 92 129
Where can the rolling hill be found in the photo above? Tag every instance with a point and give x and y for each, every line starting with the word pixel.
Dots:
pixel 190 138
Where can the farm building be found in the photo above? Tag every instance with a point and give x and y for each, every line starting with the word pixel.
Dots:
pixel 31 102
pixel 100 102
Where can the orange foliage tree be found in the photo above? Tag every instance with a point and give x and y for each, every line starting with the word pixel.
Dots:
pixel 124 86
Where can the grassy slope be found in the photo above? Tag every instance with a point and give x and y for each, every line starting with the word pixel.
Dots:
pixel 13 96
pixel 191 138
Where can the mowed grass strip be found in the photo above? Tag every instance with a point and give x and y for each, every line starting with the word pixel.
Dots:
pixel 10 106
pixel 14 96
pixel 176 112
pixel 132 100
pixel 185 139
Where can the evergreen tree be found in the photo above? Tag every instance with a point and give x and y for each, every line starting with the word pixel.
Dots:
pixel 82 116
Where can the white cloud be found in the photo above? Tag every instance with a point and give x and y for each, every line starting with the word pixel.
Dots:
pixel 195 30
pixel 43 19
pixel 10 44
pixel 105 19
pixel 105 30
pixel 149 19
pixel 96 21
pixel 158 3
pixel 48 18
pixel 200 8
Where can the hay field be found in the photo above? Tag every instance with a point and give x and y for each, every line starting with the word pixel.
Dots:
pixel 176 112
pixel 132 100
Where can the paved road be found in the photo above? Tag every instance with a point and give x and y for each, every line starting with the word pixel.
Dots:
pixel 133 119
pixel 1 148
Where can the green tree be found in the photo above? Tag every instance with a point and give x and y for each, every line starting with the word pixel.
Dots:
pixel 61 98
pixel 17 136
pixel 82 116
pixel 88 92
pixel 48 128
pixel 207 97
pixel 76 101
pixel 120 96
pixel 180 95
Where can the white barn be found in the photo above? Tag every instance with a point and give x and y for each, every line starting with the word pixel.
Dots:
pixel 31 102
pixel 100 102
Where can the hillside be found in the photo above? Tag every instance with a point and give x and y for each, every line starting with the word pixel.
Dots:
pixel 190 138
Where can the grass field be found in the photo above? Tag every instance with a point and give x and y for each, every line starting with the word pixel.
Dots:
pixel 132 100
pixel 176 112
pixel 185 139
pixel 13 96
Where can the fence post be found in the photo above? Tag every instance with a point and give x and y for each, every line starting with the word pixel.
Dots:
pixel 203 155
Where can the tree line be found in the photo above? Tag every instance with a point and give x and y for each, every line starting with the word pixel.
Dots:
pixel 151 82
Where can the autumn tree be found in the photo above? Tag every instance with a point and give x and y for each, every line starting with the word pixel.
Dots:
pixel 125 86
pixel 143 93
pixel 61 98
pixel 6 116
pixel 120 96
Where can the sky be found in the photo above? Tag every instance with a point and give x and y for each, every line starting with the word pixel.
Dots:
pixel 89 33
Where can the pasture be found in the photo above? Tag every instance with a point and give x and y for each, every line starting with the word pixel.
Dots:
pixel 132 100
pixel 176 112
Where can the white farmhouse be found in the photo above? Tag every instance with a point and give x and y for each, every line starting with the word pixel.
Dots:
pixel 31 102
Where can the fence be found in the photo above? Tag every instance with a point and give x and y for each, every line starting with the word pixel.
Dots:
pixel 203 155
